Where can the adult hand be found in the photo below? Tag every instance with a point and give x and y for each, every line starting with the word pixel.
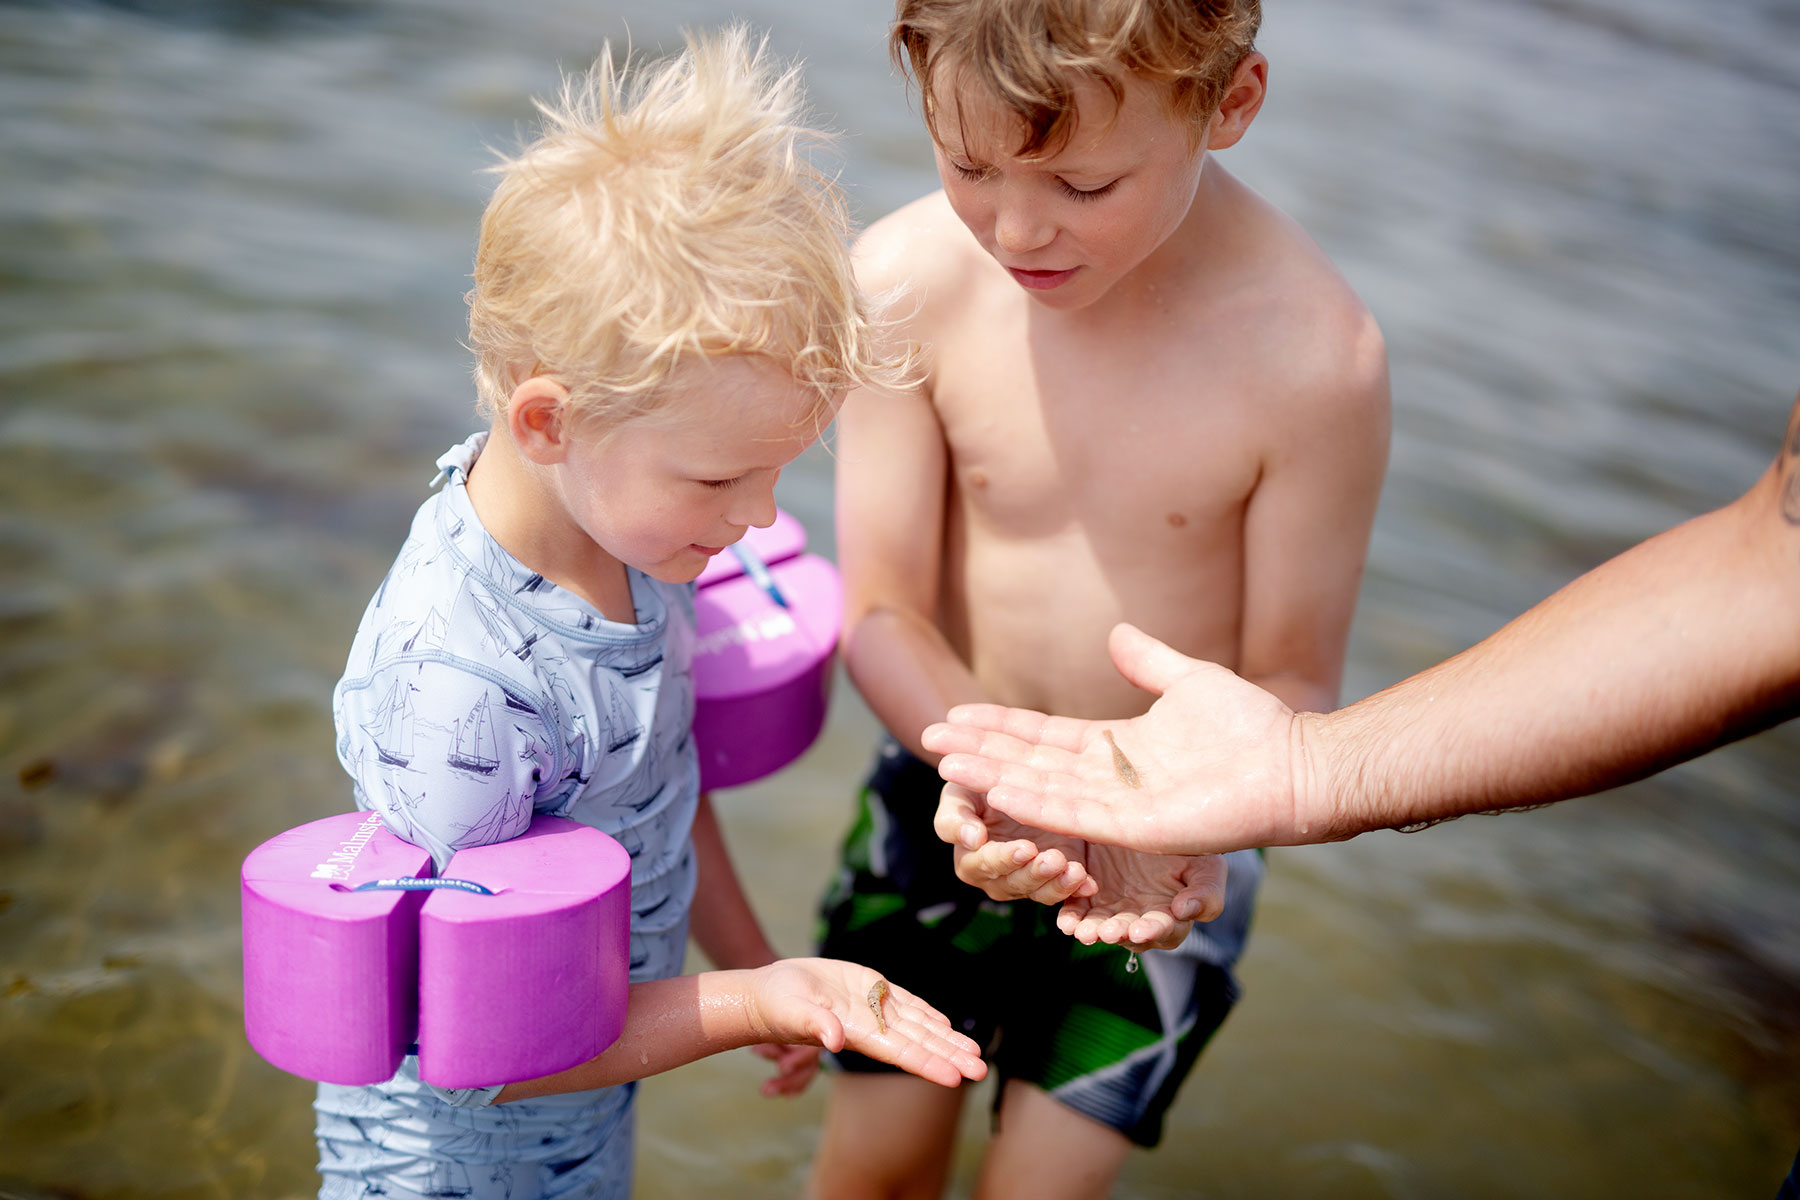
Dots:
pixel 1007 860
pixel 825 1002
pixel 1215 761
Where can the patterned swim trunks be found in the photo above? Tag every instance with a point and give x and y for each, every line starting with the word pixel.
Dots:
pixel 1108 1042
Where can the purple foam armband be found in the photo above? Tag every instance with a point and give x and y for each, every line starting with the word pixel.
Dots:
pixel 767 617
pixel 512 966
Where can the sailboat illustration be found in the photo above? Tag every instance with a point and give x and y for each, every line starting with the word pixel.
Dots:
pixel 429 635
pixel 391 728
pixel 472 746
pixel 504 820
pixel 622 724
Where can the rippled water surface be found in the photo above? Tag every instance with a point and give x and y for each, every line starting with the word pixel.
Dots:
pixel 233 242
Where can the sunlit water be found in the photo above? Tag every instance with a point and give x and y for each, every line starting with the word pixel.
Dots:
pixel 233 241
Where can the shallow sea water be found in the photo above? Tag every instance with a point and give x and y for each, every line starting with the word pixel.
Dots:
pixel 233 242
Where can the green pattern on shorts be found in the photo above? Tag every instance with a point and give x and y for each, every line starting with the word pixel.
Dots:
pixel 865 910
pixel 984 931
pixel 1089 1039
pixel 861 833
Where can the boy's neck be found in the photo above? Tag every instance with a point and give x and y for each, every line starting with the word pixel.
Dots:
pixel 519 507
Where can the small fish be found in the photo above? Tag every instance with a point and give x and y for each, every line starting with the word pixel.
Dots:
pixel 877 994
pixel 1127 773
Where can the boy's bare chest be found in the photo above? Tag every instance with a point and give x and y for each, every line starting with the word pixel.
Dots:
pixel 1042 437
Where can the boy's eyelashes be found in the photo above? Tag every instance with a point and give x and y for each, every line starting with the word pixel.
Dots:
pixel 722 484
pixel 977 174
pixel 1094 193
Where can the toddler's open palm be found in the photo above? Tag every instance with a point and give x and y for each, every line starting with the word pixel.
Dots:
pixel 825 1002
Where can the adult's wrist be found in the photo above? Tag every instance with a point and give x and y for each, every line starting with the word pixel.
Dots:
pixel 1328 777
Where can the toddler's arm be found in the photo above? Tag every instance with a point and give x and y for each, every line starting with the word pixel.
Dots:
pixel 725 927
pixel 812 1001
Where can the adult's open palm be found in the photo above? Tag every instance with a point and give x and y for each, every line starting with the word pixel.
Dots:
pixel 1213 759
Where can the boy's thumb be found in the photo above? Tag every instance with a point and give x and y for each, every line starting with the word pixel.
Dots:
pixel 1145 662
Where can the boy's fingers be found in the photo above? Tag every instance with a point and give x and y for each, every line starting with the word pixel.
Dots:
pixel 995 867
pixel 1202 897
pixel 958 819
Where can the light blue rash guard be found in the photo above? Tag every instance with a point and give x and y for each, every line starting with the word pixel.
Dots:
pixel 477 695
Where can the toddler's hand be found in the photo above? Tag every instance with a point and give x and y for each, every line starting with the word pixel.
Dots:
pixel 1006 860
pixel 825 1002
pixel 795 1068
pixel 1144 901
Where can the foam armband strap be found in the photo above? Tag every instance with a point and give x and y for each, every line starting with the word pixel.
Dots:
pixel 768 616
pixel 510 967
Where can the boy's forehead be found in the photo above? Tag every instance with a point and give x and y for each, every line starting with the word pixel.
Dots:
pixel 967 117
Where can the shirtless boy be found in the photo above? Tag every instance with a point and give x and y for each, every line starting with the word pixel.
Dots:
pixel 1148 397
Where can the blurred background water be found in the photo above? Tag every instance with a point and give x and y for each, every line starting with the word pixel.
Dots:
pixel 233 242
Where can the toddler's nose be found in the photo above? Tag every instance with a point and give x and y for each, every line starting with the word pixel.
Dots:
pixel 757 508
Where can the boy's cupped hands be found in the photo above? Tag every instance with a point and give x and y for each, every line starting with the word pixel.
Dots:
pixel 1108 894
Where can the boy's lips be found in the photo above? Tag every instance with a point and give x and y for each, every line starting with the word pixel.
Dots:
pixel 1041 280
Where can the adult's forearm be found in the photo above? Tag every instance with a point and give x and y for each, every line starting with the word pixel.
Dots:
pixel 1680 644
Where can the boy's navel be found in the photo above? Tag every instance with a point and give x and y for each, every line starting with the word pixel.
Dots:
pixel 1121 765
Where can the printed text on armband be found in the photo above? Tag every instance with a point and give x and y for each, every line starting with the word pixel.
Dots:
pixel 338 865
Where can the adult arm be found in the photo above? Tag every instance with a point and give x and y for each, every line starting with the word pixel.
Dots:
pixel 824 1002
pixel 1681 644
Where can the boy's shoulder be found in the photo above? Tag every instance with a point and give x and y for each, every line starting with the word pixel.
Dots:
pixel 1292 313
pixel 922 257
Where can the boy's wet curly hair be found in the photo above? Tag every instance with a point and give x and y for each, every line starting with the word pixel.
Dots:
pixel 665 211
pixel 1028 54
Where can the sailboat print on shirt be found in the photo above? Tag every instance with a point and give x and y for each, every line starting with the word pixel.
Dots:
pixel 472 745
pixel 391 728
pixel 622 725
pixel 506 819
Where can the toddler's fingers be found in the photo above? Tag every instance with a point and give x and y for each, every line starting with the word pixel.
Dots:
pixel 920 1010
pixel 827 1030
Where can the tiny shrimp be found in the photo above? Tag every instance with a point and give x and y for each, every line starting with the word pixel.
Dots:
pixel 877 994
pixel 1121 765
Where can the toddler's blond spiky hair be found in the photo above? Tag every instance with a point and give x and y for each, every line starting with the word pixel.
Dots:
pixel 668 210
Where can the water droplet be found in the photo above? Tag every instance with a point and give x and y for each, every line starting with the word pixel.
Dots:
pixel 1131 964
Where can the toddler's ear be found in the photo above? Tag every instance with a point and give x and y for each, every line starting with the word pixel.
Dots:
pixel 535 413
pixel 1243 100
